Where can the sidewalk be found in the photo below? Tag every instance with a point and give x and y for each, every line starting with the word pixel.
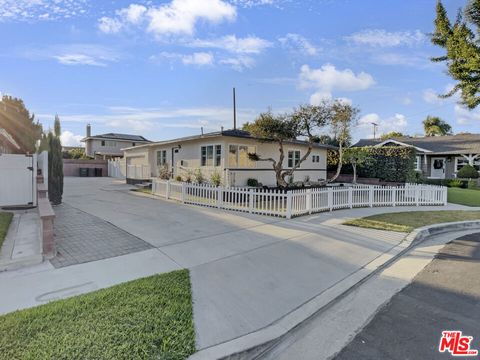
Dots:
pixel 22 245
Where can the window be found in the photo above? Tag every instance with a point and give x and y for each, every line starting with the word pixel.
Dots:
pixel 211 155
pixel 133 144
pixel 238 156
pixel 315 158
pixel 103 142
pixel 161 157
pixel 417 163
pixel 460 162
pixel 293 158
pixel 108 143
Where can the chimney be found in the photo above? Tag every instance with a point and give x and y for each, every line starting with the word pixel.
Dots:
pixel 201 129
pixel 89 130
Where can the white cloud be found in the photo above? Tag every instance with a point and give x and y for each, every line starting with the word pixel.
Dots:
pixel 230 43
pixel 18 10
pixel 68 138
pixel 364 128
pixel 239 63
pixel 199 58
pixel 178 17
pixel 254 3
pixel 74 54
pixel 298 43
pixel 78 59
pixel 383 38
pixel 431 96
pixel 327 79
pixel 465 116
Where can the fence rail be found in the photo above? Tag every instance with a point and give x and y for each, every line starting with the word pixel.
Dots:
pixel 299 202
pixel 139 172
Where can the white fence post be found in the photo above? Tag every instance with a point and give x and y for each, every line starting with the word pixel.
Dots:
pixel 350 197
pixel 167 190
pixel 184 191
pixel 394 196
pixel 309 200
pixel 330 198
pixel 251 196
pixel 219 197
pixel 445 196
pixel 289 205
pixel 416 196
pixel 370 195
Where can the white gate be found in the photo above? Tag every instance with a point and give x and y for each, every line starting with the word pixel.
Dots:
pixel 17 180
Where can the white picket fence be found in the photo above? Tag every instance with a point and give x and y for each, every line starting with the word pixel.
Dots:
pixel 117 168
pixel 299 202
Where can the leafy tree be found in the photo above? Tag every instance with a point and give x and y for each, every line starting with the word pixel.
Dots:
pixel 355 156
pixel 303 121
pixel 344 115
pixel 77 153
pixel 19 123
pixel 55 165
pixel 392 134
pixel 434 126
pixel 460 41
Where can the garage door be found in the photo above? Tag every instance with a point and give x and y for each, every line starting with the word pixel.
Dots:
pixel 16 179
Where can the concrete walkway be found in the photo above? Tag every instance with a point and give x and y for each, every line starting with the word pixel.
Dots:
pixel 22 245
pixel 247 271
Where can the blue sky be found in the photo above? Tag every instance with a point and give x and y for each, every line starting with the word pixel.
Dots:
pixel 164 69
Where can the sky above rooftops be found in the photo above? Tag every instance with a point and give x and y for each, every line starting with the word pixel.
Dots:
pixel 164 69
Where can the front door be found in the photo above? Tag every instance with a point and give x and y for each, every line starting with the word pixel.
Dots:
pixel 438 168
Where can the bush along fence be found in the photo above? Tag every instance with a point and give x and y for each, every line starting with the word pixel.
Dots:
pixel 292 203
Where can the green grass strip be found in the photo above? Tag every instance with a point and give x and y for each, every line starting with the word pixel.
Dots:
pixel 149 318
pixel 5 220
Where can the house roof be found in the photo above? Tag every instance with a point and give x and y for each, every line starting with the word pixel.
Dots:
pixel 116 136
pixel 230 133
pixel 450 144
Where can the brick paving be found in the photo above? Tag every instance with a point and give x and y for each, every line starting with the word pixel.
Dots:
pixel 81 237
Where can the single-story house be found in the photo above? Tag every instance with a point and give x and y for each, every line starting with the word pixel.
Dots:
pixel 438 157
pixel 109 146
pixel 225 153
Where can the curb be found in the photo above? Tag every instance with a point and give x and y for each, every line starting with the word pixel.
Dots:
pixel 253 345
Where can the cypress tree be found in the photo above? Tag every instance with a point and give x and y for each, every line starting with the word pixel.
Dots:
pixel 55 165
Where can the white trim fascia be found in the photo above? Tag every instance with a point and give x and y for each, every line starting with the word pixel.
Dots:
pixel 403 144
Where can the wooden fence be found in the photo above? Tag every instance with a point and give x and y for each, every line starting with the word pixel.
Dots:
pixel 299 202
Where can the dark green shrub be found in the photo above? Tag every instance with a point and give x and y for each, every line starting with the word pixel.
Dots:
pixel 55 170
pixel 440 182
pixel 472 184
pixel 467 172
pixel 252 182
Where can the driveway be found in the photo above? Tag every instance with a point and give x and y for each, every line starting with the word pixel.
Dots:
pixel 247 271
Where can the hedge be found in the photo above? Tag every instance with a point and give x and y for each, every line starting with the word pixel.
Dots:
pixel 388 163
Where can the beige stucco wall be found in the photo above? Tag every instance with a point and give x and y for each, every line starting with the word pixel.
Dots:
pixel 188 159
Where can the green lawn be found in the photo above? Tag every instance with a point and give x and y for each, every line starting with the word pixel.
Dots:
pixel 466 197
pixel 149 318
pixel 407 221
pixel 5 220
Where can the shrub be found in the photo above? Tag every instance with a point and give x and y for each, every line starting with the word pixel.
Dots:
pixel 252 182
pixel 306 179
pixel 440 182
pixel 199 178
pixel 216 178
pixel 467 172
pixel 178 178
pixel 472 184
pixel 163 172
pixel 457 183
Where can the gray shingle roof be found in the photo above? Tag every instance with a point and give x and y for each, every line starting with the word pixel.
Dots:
pixel 452 144
pixel 116 136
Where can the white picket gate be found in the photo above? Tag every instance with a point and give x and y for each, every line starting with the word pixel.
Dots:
pixel 299 202
pixel 138 172
pixel 117 169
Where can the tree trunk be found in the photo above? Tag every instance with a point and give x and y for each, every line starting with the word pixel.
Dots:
pixel 339 166
pixel 354 166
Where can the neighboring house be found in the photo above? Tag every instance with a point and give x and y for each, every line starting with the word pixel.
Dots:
pixel 226 153
pixel 438 157
pixel 109 146
pixel 8 145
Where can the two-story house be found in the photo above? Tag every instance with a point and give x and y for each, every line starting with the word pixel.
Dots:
pixel 108 146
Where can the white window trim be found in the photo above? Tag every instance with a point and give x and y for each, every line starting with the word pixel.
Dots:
pixel 166 157
pixel 238 153
pixel 299 158
pixel 419 163
pixel 214 155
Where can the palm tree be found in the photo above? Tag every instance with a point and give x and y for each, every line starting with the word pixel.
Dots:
pixel 434 126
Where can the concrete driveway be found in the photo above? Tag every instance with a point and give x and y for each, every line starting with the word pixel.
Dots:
pixel 247 271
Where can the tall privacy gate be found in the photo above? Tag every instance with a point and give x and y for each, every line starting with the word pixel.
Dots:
pixel 299 202
pixel 18 179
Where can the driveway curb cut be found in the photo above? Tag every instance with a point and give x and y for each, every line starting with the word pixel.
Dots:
pixel 252 345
